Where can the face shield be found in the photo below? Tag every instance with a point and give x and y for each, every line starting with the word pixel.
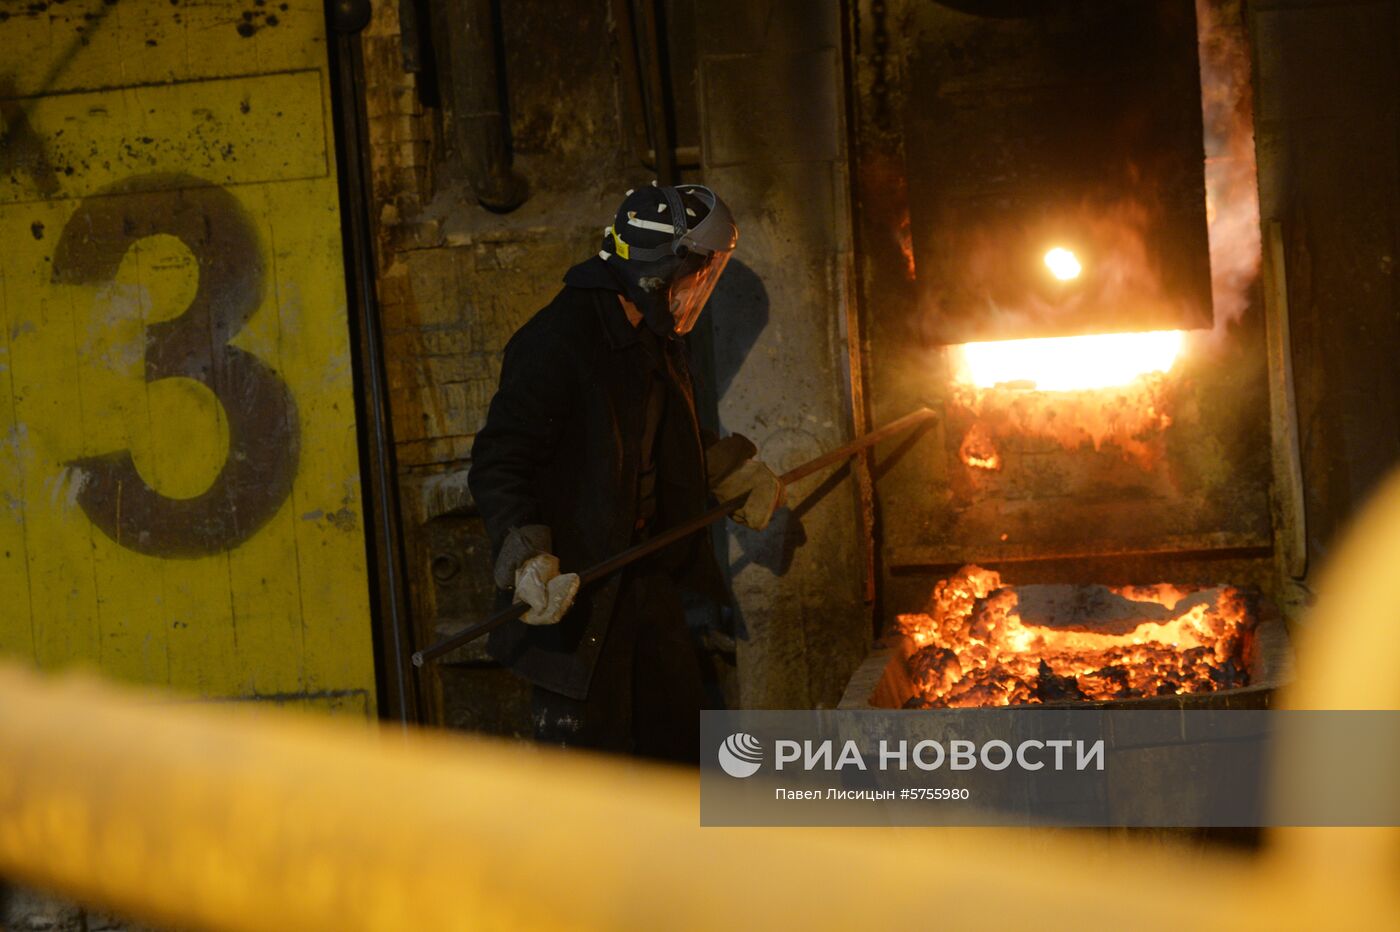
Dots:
pixel 704 252
pixel 695 279
pixel 669 280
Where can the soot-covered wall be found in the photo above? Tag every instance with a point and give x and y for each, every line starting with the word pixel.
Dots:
pixel 758 106
pixel 1328 136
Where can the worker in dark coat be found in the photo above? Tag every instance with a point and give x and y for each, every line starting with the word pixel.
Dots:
pixel 592 445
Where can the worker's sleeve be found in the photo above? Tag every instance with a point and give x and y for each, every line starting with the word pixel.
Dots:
pixel 522 429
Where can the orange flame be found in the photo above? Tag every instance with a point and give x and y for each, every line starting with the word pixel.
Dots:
pixel 978 450
pixel 973 649
pixel 1131 418
pixel 905 236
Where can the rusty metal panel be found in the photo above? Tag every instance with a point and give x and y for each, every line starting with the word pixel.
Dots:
pixel 180 464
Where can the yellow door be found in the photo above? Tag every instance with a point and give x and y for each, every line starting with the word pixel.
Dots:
pixel 179 478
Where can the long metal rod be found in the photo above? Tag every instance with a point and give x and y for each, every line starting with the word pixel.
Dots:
pixel 384 524
pixel 679 532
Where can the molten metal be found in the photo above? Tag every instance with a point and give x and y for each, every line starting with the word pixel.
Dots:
pixel 1058 364
pixel 974 649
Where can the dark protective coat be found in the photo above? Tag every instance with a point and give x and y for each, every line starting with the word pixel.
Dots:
pixel 562 447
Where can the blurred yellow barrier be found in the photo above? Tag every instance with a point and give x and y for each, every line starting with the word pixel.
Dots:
pixel 225 818
pixel 1349 658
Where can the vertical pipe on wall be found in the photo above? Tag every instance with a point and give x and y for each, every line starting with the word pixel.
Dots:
pixel 636 115
pixel 658 113
pixel 854 332
pixel 634 107
pixel 477 108
pixel 384 537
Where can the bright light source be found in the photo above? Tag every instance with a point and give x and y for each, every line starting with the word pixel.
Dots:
pixel 1062 264
pixel 1057 364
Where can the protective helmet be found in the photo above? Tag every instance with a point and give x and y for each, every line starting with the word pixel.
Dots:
pixel 669 246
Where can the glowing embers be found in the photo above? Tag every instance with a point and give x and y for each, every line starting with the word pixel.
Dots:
pixel 1059 364
pixel 981 644
pixel 978 450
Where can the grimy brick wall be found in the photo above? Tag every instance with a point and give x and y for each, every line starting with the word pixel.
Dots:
pixel 456 280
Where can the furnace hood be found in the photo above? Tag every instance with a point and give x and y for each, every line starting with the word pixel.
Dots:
pixel 1055 166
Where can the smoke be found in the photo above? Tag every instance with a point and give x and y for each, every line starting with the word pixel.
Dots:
pixel 1232 193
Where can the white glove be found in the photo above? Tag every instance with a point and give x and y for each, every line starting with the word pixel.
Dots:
pixel 549 593
pixel 764 490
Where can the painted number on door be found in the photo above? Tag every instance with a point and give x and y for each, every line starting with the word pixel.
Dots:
pixel 263 429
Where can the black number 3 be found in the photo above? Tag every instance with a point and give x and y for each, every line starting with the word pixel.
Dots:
pixel 263 448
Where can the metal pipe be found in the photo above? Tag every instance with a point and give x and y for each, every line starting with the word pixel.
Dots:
pixel 384 537
pixel 633 104
pixel 659 116
pixel 476 108
pixel 679 532
pixel 411 38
